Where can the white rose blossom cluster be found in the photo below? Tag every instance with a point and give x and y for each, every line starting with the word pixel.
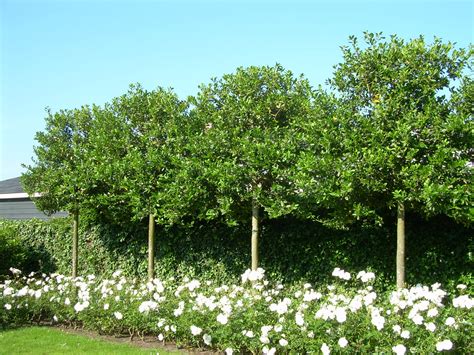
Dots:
pixel 267 317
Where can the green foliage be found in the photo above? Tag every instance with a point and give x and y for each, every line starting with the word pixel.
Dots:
pixel 294 250
pixel 59 171
pixel 398 140
pixel 244 146
pixel 15 253
pixel 129 153
pixel 12 253
pixel 347 314
pixel 397 129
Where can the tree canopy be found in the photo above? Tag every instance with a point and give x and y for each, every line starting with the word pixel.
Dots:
pixel 400 138
pixel 394 133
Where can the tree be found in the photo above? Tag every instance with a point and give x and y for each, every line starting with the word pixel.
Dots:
pixel 131 154
pixel 244 145
pixel 59 171
pixel 399 143
pixel 154 118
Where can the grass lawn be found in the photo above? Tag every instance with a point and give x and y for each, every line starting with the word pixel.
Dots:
pixel 44 340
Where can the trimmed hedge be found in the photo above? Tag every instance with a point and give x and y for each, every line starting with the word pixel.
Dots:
pixel 290 250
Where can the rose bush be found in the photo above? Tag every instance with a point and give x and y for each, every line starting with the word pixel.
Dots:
pixel 256 315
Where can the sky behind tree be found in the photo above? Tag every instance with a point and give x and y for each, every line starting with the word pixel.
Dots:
pixel 64 54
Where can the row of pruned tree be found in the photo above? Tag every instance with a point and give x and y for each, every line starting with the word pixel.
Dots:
pixel 394 132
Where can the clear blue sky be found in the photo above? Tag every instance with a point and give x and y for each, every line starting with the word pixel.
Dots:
pixel 64 54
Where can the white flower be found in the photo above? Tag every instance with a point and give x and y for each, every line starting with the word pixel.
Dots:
pixel 195 330
pixel 417 319
pixel 253 275
pixel 355 304
pixel 228 351
pixel 267 351
pixel 400 349
pixel 281 307
pixel 365 276
pixel 430 326
pixel 397 329
pixel 378 321
pixel 8 291
pixel 283 342
pixel 463 301
pixel 311 334
pixel 106 306
pixel 461 287
pixel 22 292
pixel 194 284
pixel 8 306
pixel 311 296
pixel 222 318
pixel 444 345
pixel 278 328
pixel 118 315
pixel 248 333
pixel 78 307
pixel 325 349
pixel 341 274
pixel 160 337
pixel 177 312
pixel 146 306
pixel 207 339
pixel 450 321
pixel 299 319
pixel 342 342
pixel 370 298
pixel 341 315
pixel 15 271
pixel 433 312
pixel 405 334
pixel 264 339
pixel 266 329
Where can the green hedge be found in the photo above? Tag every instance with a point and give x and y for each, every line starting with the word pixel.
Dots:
pixel 437 251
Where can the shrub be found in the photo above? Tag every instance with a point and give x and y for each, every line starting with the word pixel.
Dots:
pixel 252 315
pixel 290 250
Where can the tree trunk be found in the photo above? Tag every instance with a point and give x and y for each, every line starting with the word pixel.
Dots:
pixel 151 247
pixel 75 242
pixel 400 245
pixel 255 233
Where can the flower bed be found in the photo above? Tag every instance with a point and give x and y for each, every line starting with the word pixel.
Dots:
pixel 257 315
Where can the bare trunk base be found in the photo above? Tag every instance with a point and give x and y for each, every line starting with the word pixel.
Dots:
pixel 255 234
pixel 400 245
pixel 151 247
pixel 75 242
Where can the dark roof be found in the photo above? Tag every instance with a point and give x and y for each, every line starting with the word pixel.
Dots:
pixel 11 186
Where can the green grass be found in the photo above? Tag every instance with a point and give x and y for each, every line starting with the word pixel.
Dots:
pixel 44 340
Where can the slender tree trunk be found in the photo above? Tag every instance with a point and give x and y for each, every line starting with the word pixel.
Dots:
pixel 255 233
pixel 400 245
pixel 151 246
pixel 75 242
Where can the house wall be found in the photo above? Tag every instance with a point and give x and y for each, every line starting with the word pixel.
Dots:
pixel 23 208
